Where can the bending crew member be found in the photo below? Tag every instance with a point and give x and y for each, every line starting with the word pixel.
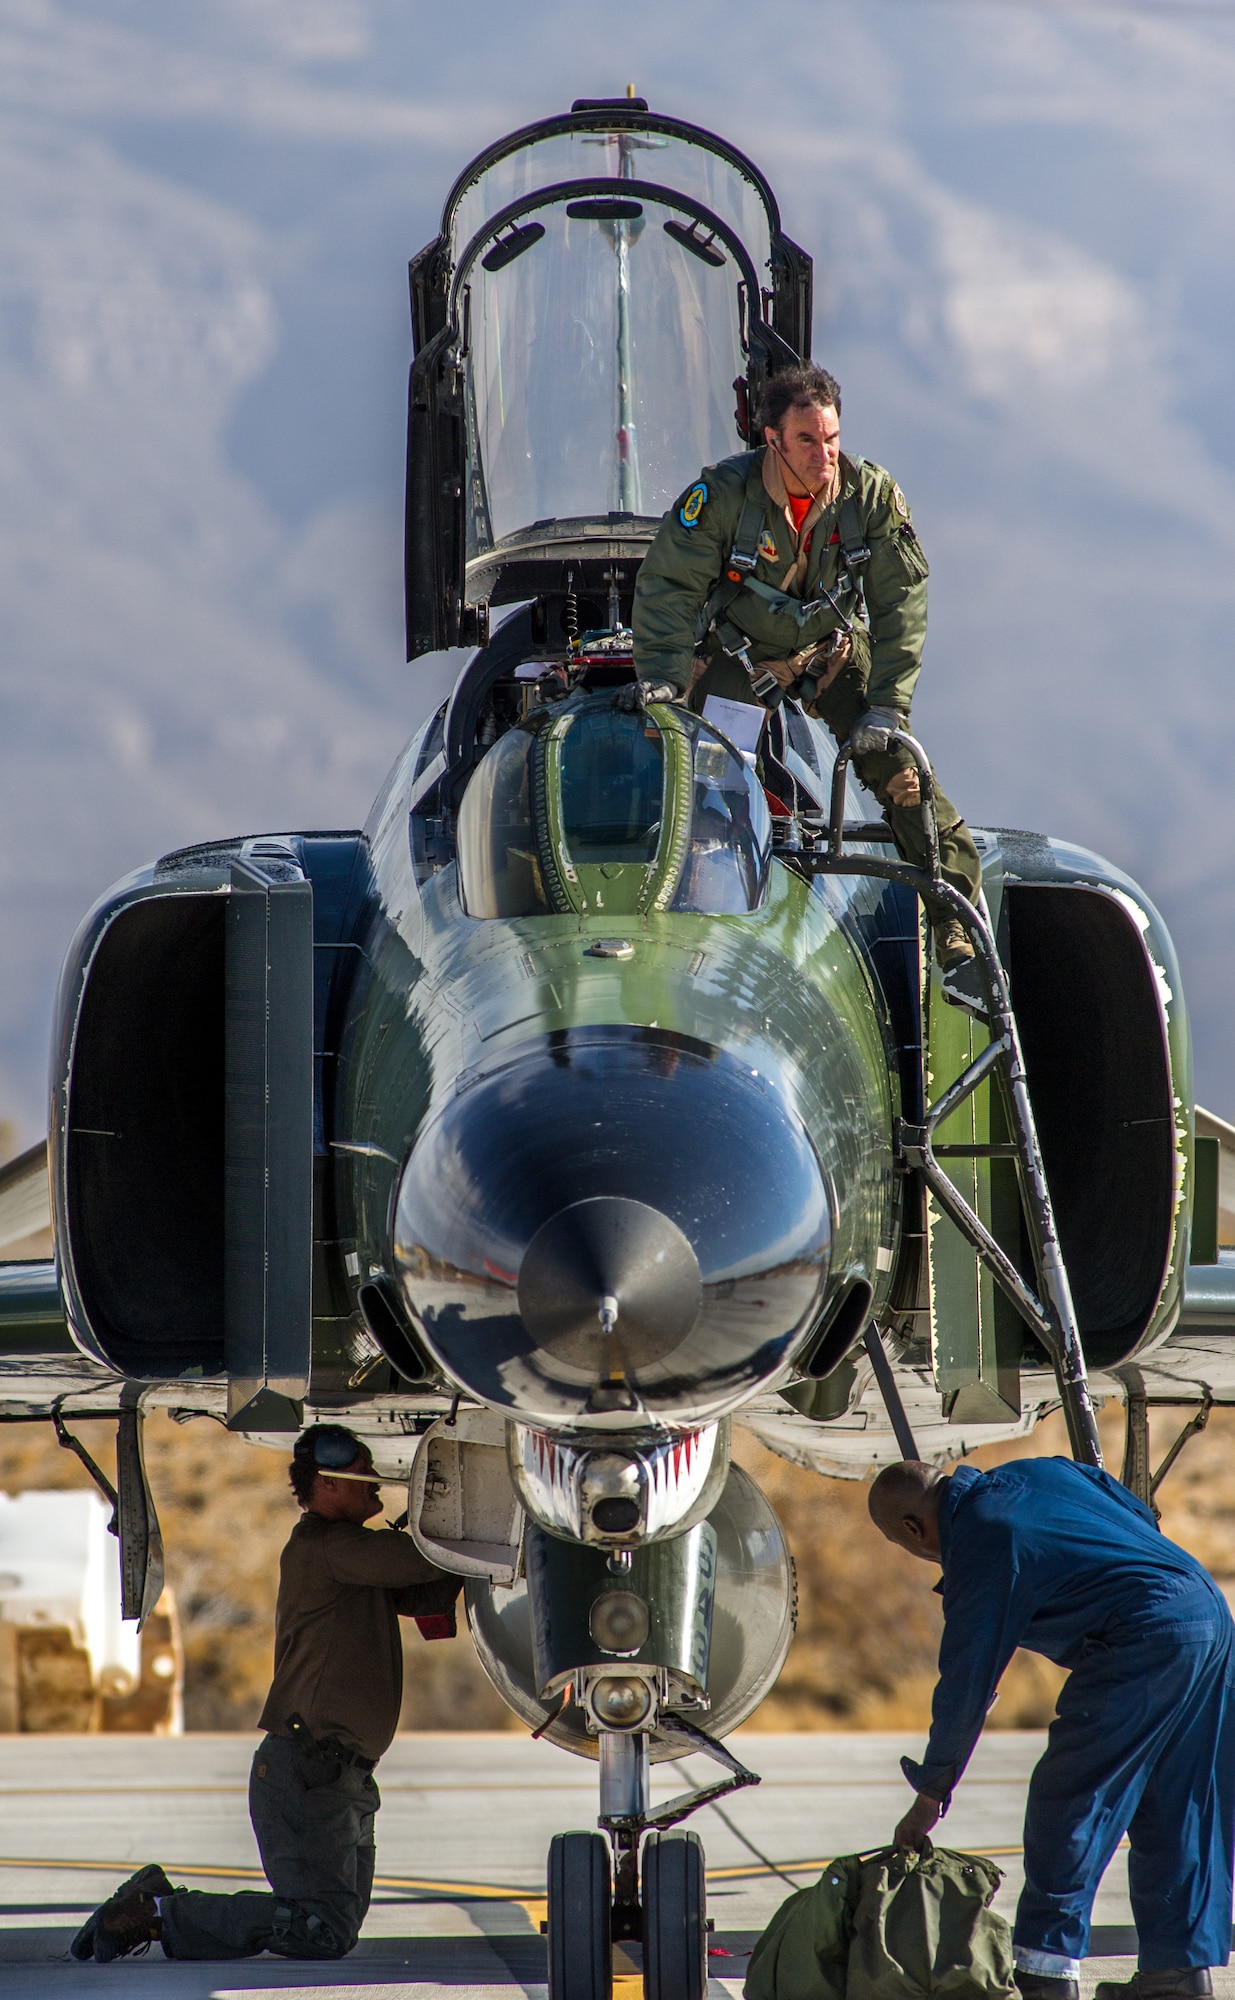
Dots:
pixel 332 1710
pixel 828 599
pixel 1064 1560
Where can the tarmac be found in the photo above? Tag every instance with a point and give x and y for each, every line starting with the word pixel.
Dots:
pixel 462 1838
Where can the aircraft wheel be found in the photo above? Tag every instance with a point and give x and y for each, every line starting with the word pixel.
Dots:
pixel 675 1943
pixel 580 1950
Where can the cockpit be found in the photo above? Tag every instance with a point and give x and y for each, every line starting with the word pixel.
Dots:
pixel 593 323
pixel 587 808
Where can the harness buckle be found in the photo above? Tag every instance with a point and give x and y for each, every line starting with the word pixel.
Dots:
pixel 761 680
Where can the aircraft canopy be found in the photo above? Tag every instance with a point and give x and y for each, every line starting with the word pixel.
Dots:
pixel 606 294
pixel 604 813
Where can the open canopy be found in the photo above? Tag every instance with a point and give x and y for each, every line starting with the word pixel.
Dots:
pixel 606 292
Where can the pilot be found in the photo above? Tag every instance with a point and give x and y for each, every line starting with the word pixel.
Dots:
pixel 828 599
pixel 1064 1560
pixel 332 1710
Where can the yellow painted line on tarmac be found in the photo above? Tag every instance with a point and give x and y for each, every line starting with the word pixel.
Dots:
pixel 529 1900
pixel 122 1789
pixel 110 1791
pixel 481 1891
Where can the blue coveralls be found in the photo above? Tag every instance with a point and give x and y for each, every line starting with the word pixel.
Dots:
pixel 1063 1560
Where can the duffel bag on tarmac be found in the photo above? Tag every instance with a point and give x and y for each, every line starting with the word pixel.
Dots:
pixel 889 1926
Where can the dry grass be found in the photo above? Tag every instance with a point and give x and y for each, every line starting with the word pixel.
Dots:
pixel 869 1622
pixel 869 1625
pixel 226 1510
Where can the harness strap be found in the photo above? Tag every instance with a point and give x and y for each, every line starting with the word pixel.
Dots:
pixel 741 561
pixel 854 547
pixel 738 575
pixel 764 684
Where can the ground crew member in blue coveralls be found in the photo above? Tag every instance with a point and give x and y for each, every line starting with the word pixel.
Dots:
pixel 1062 1559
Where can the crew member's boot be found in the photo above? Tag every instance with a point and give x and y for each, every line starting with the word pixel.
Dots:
pixel 1040 1986
pixel 148 1882
pixel 956 959
pixel 1188 1982
pixel 126 1924
pixel 952 946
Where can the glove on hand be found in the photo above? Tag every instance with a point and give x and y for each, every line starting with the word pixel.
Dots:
pixel 873 730
pixel 635 696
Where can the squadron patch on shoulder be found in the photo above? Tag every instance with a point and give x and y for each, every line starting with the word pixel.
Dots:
pixel 899 502
pixel 767 545
pixel 693 505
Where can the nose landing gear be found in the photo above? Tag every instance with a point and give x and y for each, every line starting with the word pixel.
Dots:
pixel 580 1938
pixel 594 1903
pixel 675 1939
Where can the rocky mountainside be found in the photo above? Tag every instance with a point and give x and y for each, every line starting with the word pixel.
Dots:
pixel 1024 250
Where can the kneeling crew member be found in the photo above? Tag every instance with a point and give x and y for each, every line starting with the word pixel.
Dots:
pixel 1064 1560
pixel 828 595
pixel 332 1710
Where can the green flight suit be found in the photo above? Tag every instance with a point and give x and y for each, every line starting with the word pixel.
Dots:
pixel 888 618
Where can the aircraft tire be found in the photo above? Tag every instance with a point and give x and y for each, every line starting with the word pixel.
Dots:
pixel 580 1948
pixel 675 1944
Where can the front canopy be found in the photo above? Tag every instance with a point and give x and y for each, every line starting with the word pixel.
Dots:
pixel 592 810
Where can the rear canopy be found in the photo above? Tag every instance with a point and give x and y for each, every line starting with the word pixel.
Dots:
pixel 606 294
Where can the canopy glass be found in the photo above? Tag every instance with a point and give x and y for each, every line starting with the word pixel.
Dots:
pixel 679 163
pixel 606 813
pixel 600 364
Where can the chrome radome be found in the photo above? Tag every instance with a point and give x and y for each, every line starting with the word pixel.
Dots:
pixel 592 1489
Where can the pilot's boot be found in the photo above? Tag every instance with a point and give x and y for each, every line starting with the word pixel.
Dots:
pixel 957 960
pixel 1189 1982
pixel 952 946
pixel 1040 1986
pixel 148 1882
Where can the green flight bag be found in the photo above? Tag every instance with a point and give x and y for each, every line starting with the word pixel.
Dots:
pixel 889 1926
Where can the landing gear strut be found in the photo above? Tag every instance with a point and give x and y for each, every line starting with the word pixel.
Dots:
pixel 661 1903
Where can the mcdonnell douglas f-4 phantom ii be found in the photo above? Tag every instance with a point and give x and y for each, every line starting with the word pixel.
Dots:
pixel 600 1093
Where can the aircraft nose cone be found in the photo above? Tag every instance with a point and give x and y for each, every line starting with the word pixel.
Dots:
pixel 609 1281
pixel 608 1224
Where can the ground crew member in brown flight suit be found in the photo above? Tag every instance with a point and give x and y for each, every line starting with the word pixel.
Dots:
pixel 832 604
pixel 332 1710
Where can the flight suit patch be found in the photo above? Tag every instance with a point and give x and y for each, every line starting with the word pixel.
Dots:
pixel 899 502
pixel 693 506
pixel 767 545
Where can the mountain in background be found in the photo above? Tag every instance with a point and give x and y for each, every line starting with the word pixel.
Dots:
pixel 1025 260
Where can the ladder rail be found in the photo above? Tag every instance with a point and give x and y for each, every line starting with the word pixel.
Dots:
pixel 1049 1312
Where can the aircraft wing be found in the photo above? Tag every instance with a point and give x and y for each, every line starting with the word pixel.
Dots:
pixel 25 1196
pixel 1208 1126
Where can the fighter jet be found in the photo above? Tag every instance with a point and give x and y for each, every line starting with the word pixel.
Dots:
pixel 600 1094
